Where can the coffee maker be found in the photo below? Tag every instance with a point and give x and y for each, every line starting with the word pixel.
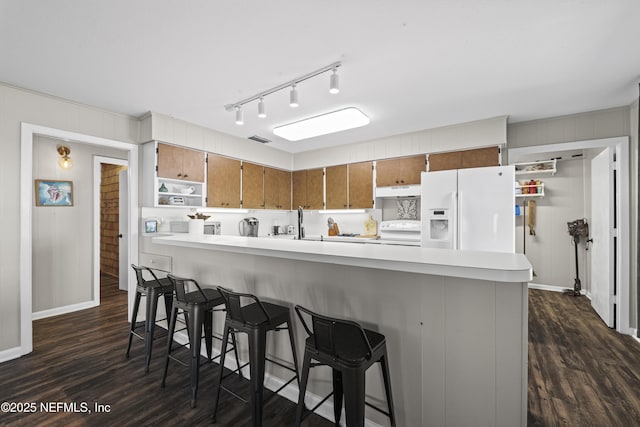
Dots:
pixel 248 227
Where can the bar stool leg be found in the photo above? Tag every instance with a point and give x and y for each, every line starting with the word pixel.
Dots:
pixel 208 332
pixel 168 304
pixel 293 350
pixel 223 353
pixel 235 351
pixel 195 344
pixel 306 365
pixel 257 354
pixel 337 395
pixel 384 364
pixel 172 328
pixel 134 316
pixel 353 381
pixel 150 322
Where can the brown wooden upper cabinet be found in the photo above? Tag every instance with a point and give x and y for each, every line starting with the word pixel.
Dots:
pixel 480 157
pixel 252 186
pixel 350 186
pixel 336 177
pixel 223 182
pixel 361 185
pixel 180 163
pixel 277 188
pixel 308 189
pixel 401 171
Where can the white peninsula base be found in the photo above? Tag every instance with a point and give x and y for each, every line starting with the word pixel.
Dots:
pixel 455 322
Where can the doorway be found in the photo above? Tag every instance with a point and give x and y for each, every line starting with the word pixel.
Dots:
pixel 619 264
pixel 111 223
pixel 28 132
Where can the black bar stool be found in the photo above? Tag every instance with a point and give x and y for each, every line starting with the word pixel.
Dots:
pixel 349 350
pixel 153 289
pixel 197 305
pixel 246 313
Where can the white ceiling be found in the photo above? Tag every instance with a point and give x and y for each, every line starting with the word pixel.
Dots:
pixel 409 65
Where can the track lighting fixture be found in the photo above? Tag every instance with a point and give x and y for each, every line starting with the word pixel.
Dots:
pixel 261 112
pixel 334 87
pixel 293 97
pixel 334 82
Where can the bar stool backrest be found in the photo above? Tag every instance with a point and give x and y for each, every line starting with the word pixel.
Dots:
pixel 140 276
pixel 343 340
pixel 183 286
pixel 234 301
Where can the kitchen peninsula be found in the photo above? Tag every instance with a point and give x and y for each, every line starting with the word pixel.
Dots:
pixel 455 321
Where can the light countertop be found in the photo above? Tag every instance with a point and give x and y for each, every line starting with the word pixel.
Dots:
pixel 494 266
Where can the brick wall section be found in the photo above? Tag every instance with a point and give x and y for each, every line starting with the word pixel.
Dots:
pixel 109 226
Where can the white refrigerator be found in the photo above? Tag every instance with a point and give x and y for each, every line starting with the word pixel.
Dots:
pixel 469 209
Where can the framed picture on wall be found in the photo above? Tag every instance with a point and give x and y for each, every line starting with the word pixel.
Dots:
pixel 54 193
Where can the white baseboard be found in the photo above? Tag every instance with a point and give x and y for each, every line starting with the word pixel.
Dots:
pixel 551 288
pixel 271 382
pixel 63 310
pixel 10 354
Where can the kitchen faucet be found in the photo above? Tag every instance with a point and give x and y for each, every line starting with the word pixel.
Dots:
pixel 300 227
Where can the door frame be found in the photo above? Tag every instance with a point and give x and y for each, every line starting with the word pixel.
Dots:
pixel 620 145
pixel 97 181
pixel 27 133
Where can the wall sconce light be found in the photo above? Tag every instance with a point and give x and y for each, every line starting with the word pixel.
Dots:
pixel 64 161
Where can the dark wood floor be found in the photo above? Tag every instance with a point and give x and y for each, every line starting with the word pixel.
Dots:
pixel 79 358
pixel 581 373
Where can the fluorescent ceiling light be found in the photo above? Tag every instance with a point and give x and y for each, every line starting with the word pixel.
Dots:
pixel 324 124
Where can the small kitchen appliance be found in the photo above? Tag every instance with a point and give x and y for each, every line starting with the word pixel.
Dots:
pixel 249 227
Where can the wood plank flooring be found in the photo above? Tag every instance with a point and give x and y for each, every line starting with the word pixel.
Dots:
pixel 80 358
pixel 581 373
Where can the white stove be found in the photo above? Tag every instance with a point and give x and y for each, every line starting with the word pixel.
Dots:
pixel 400 232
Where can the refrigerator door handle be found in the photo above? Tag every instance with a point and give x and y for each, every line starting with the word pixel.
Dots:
pixel 453 225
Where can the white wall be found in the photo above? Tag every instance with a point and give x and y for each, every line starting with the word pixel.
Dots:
pixel 18 106
pixel 63 236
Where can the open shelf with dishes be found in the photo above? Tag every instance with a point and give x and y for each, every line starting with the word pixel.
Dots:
pixel 179 193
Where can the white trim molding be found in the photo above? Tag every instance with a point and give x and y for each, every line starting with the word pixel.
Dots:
pixel 28 131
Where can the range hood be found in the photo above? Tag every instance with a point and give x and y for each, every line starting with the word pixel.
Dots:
pixel 399 191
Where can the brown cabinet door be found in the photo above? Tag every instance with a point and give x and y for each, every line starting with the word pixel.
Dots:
pixel 337 187
pixel 180 163
pixel 252 186
pixel 403 171
pixel 277 189
pixel 299 183
pixel 169 161
pixel 361 185
pixel 315 189
pixel 223 182
pixel 476 158
pixel 481 157
pixel 192 165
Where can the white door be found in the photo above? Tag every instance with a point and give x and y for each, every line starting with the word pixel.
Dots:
pixel 486 205
pixel 601 231
pixel 123 240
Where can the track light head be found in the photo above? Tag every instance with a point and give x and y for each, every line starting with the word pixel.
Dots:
pixel 261 113
pixel 334 82
pixel 239 118
pixel 293 97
